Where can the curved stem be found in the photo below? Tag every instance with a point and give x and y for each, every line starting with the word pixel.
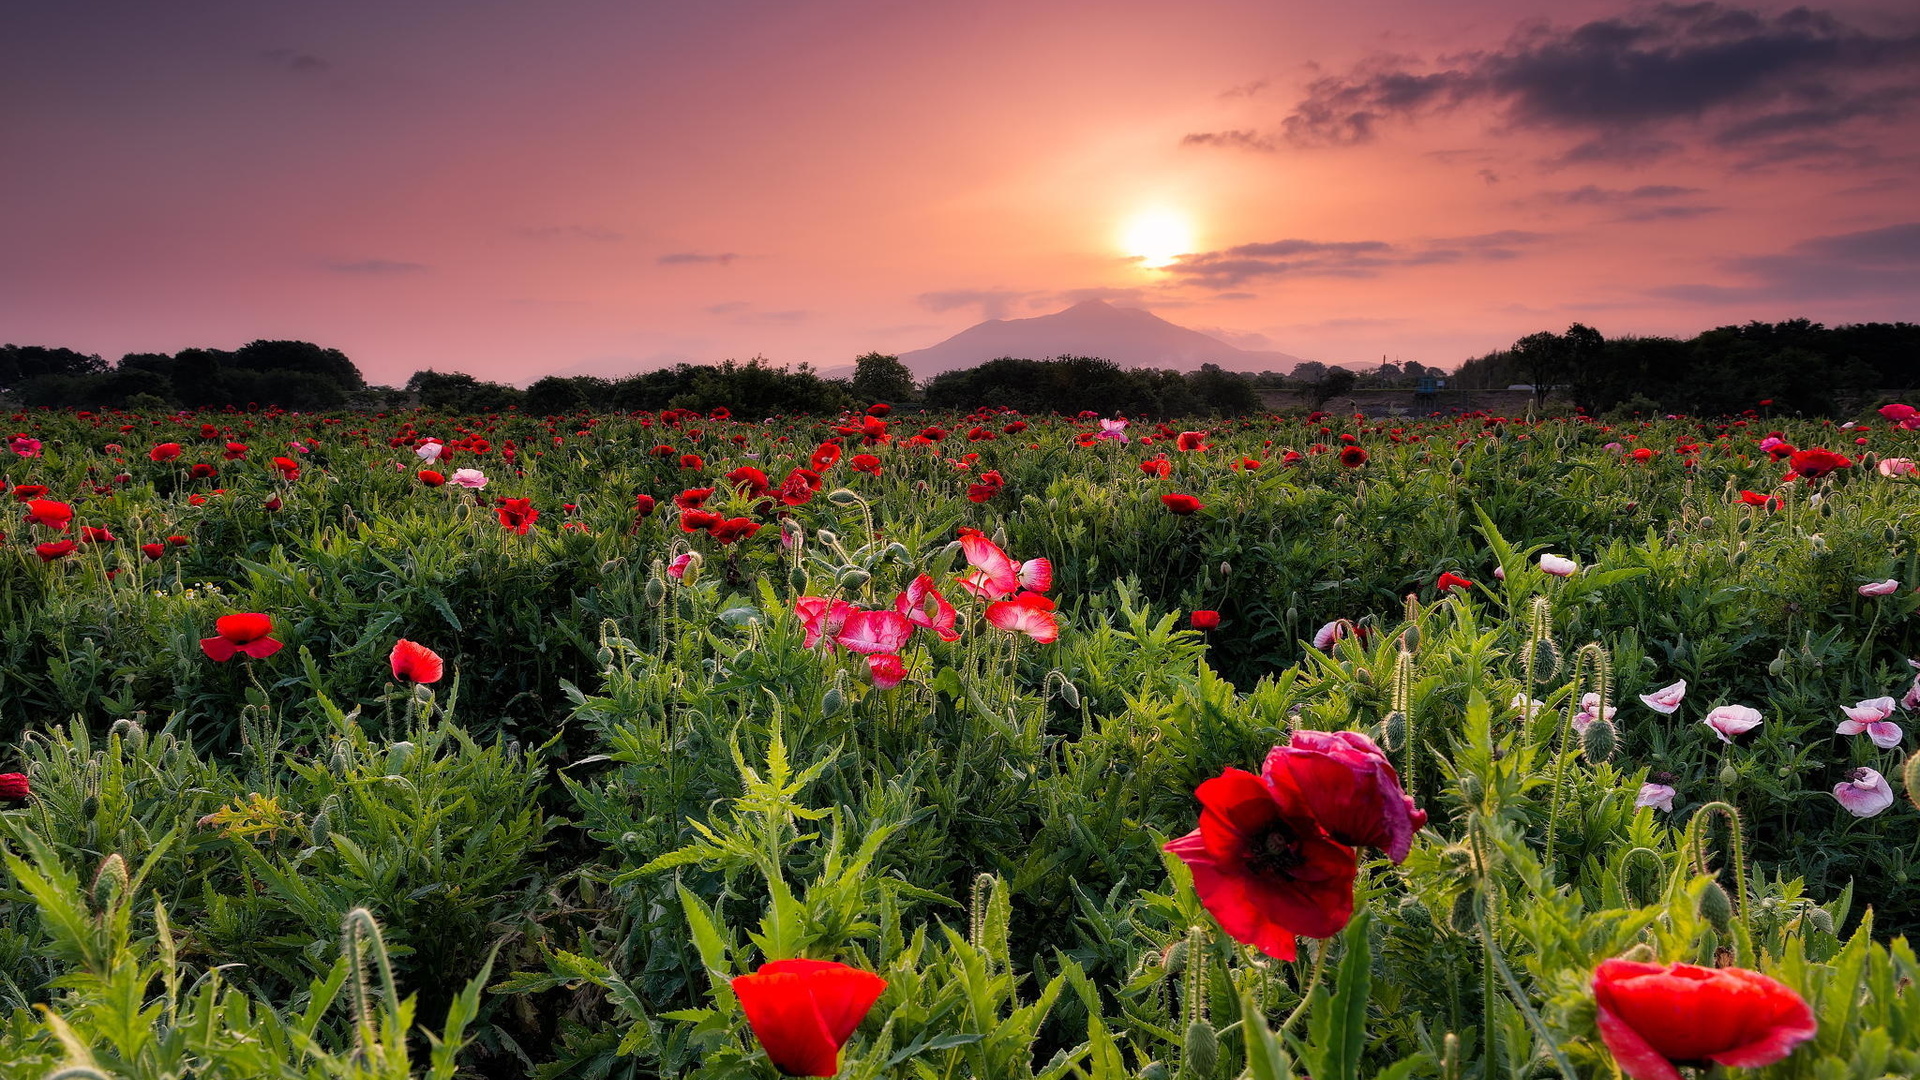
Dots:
pixel 1306 990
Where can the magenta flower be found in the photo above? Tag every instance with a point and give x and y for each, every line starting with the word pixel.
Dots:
pixel 1666 700
pixel 1870 716
pixel 1590 711
pixel 1865 793
pixel 886 669
pixel 1730 720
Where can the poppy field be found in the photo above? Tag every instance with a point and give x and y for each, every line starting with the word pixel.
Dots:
pixel 930 745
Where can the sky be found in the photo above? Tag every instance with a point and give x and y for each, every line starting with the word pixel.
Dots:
pixel 602 186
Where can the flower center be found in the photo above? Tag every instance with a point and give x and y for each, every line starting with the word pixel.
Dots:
pixel 1275 851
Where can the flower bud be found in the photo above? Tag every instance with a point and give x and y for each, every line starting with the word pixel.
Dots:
pixel 1154 1070
pixel 321 829
pixel 655 592
pixel 1716 907
pixel 1820 919
pixel 1706 523
pixel 1910 778
pixel 1641 953
pixel 1070 694
pixel 1463 917
pixel 110 883
pixel 842 497
pixel 1640 879
pixel 1729 775
pixel 1414 913
pixel 797 578
pixel 1393 730
pixel 1818 543
pixel 826 536
pixel 1778 665
pixel 832 702
pixel 1598 740
pixel 1226 568
pixel 854 578
pixel 1202 1049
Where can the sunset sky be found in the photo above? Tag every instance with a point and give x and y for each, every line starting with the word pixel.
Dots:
pixel 515 188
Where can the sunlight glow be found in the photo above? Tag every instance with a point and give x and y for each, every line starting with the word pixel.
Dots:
pixel 1156 238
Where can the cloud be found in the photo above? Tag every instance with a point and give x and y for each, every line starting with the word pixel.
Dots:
pixel 742 313
pixel 596 233
pixel 993 303
pixel 295 60
pixel 1244 89
pixel 695 258
pixel 1872 263
pixel 1623 86
pixel 1640 204
pixel 1238 265
pixel 373 267
pixel 1238 139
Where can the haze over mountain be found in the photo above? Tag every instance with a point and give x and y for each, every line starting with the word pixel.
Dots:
pixel 1129 337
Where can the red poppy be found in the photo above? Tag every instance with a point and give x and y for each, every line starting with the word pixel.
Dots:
pixel 1352 456
pixel 1029 613
pixel 203 471
pixel 866 463
pixel 693 498
pixel 166 451
pixel 642 505
pixel 53 515
pixel 415 662
pixel 93 534
pixel 517 515
pixel 55 549
pixel 235 451
pixel 913 604
pixel 731 529
pixel 289 468
pixel 1263 867
pixel 823 457
pixel 1159 466
pixel 1653 1017
pixel 800 486
pixel 242 633
pixel 1205 619
pixel 746 476
pixel 804 1011
pixel 1816 463
pixel 694 521
pixel 1181 504
pixel 153 551
pixel 431 478
pixel 14 785
pixel 1643 453
pixel 1350 789
pixel 1450 581
pixel 178 541
pixel 1191 440
pixel 886 669
pixel 26 492
pixel 692 461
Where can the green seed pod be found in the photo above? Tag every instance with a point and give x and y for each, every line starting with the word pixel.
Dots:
pixel 1458 860
pixel 1910 777
pixel 1706 523
pixel 1820 919
pixel 1176 961
pixel 110 883
pixel 397 757
pixel 1778 666
pixel 1202 1049
pixel 854 578
pixel 1470 790
pixel 827 536
pixel 1729 775
pixel 1598 740
pixel 1070 694
pixel 1641 953
pixel 1415 914
pixel 832 702
pixel 1716 907
pixel 842 497
pixel 342 760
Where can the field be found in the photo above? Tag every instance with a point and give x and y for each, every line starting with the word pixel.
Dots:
pixel 546 734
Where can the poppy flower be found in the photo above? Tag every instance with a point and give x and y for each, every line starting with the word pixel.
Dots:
pixel 415 662
pixel 823 457
pixel 1658 796
pixel 750 478
pixel 873 631
pixel 1029 613
pixel 694 521
pixel 289 469
pixel 24 445
pixel 800 486
pixel 93 534
pixel 693 498
pixel 1205 619
pixel 1352 456
pixel 28 492
pixel 1654 1017
pixel 1324 637
pixel 1351 789
pixel 1181 504
pixel 913 604
pixel 1905 416
pixel 1191 440
pixel 1666 700
pixel 1263 867
pixel 886 669
pixel 642 506
pixel 866 463
pixel 430 451
pixel 235 451
pixel 995 574
pixel 1865 793
pixel 1558 565
pixel 803 1011
pixel 1754 498
pixel 153 551
pixel 517 515
pixel 1897 466
pixel 1870 717
pixel 1159 466
pixel 166 451
pixel 473 479
pixel 51 514
pixel 1450 581
pixel 820 618
pixel 431 478
pixel 242 633
pixel 728 530
pixel 1730 720
pixel 677 569
pixel 55 549
pixel 14 785
pixel 1881 588
pixel 1036 574
pixel 692 461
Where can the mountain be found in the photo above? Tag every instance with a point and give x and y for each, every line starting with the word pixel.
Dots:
pixel 1129 337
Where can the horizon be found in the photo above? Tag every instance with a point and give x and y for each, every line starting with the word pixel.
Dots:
pixel 513 192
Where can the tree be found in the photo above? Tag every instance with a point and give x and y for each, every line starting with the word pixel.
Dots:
pixel 878 377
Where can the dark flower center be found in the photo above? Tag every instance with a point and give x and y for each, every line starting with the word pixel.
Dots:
pixel 1275 851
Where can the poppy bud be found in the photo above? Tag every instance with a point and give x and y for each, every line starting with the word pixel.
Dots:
pixel 321 829
pixel 655 592
pixel 1393 730
pixel 827 536
pixel 831 703
pixel 1598 740
pixel 1463 917
pixel 1818 543
pixel 842 497
pixel 798 579
pixel 1641 953
pixel 853 578
pixel 1706 523
pixel 1716 907
pixel 898 552
pixel 1729 775
pixel 1820 919
pixel 1414 913
pixel 1201 1049
pixel 1154 1070
pixel 1910 777
pixel 1470 789
pixel 1070 694
pixel 1778 666
pixel 1226 568
pixel 110 882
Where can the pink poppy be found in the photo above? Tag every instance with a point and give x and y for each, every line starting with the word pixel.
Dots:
pixel 677 569
pixel 821 618
pixel 1905 416
pixel 1897 466
pixel 1590 711
pixel 1324 637
pixel 1870 717
pixel 1666 700
pixel 1658 796
pixel 886 670
pixel 28 446
pixel 1029 613
pixel 1730 720
pixel 1036 574
pixel 913 605
pixel 1558 565
pixel 1351 789
pixel 874 631
pixel 429 451
pixel 1881 588
pixel 468 478
pixel 995 574
pixel 1865 793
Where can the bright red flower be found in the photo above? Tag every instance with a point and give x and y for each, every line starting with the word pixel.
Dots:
pixel 1350 789
pixel 694 521
pixel 1181 504
pixel 55 549
pixel 692 461
pixel 431 478
pixel 153 551
pixel 1643 453
pixel 235 451
pixel 642 506
pixel 1159 466
pixel 800 486
pixel 731 529
pixel 1191 440
pixel 14 785
pixel 53 515
pixel 874 632
pixel 804 1011
pixel 746 476
pixel 913 604
pixel 242 633
pixel 1654 1017
pixel 1205 619
pixel 995 574
pixel 1352 456
pixel 166 451
pixel 1029 613
pixel 93 534
pixel 821 618
pixel 28 492
pixel 289 468
pixel 1450 581
pixel 1263 867
pixel 866 463
pixel 693 498
pixel 1816 463
pixel 886 669
pixel 415 662
pixel 203 471
pixel 823 457
pixel 517 515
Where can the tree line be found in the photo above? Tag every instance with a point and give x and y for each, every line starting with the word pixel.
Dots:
pixel 1795 366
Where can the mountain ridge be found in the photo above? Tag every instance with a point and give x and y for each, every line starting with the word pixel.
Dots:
pixel 1130 337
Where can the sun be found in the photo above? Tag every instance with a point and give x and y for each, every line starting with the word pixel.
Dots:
pixel 1155 238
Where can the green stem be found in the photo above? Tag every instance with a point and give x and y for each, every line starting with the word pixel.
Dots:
pixel 1306 989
